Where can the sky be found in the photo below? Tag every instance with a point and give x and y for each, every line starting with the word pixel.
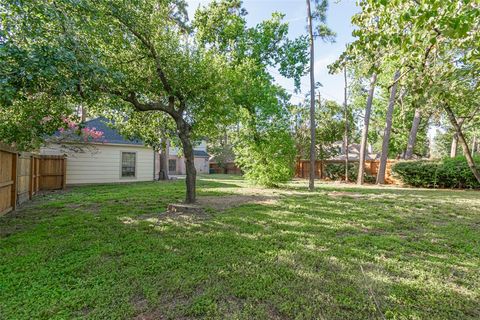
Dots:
pixel 339 14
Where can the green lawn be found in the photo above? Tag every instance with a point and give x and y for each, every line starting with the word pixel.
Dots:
pixel 100 252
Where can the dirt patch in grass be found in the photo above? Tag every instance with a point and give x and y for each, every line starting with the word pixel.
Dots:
pixel 356 195
pixel 6 231
pixel 83 312
pixel 139 303
pixel 336 194
pixel 223 203
pixel 159 218
pixel 89 207
pixel 202 209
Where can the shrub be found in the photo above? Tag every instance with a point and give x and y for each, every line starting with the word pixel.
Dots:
pixel 336 171
pixel 446 173
pixel 269 160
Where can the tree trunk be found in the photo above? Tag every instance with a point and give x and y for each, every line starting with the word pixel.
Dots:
pixel 413 135
pixel 311 182
pixel 345 111
pixel 366 122
pixel 474 144
pixel 388 130
pixel 163 174
pixel 190 180
pixel 83 111
pixel 461 138
pixel 454 145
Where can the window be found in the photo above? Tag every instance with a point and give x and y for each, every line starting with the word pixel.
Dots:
pixel 128 164
pixel 172 165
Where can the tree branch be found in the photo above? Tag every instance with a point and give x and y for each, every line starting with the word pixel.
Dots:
pixel 150 48
pixel 131 97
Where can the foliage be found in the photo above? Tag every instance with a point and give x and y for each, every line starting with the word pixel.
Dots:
pixel 153 128
pixel 23 125
pixel 222 26
pixel 446 173
pixel 262 114
pixel 319 19
pixel 221 147
pixel 120 57
pixel 435 46
pixel 268 159
pixel 329 128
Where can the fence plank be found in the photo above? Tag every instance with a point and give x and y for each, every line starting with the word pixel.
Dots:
pixel 52 172
pixel 64 178
pixel 23 177
pixel 6 181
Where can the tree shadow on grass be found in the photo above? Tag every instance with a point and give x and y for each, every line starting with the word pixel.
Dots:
pixel 304 256
pixel 310 258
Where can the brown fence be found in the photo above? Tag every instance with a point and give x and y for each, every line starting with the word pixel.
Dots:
pixel 52 172
pixel 228 168
pixel 22 175
pixel 302 168
pixel 8 177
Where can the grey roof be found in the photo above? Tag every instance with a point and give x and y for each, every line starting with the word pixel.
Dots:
pixel 110 135
pixel 200 153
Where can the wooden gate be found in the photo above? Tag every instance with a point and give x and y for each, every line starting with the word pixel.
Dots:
pixel 8 177
pixel 53 172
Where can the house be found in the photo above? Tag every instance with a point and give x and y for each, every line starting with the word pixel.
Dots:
pixel 114 159
pixel 176 162
pixel 353 152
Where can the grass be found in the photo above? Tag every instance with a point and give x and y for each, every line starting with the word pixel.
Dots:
pixel 339 253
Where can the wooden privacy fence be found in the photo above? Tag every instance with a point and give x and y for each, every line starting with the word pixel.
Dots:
pixel 53 172
pixel 228 168
pixel 302 168
pixel 22 175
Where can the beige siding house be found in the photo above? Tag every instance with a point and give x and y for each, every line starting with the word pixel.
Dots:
pixel 176 162
pixel 115 160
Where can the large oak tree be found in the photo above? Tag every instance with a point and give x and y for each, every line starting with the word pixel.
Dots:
pixel 139 55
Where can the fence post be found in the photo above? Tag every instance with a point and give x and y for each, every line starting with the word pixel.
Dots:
pixel 13 195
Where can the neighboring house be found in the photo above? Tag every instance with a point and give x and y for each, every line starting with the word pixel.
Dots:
pixel 114 159
pixel 224 165
pixel 176 162
pixel 353 152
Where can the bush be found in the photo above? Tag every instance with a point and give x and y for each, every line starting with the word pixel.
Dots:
pixel 336 171
pixel 269 160
pixel 446 173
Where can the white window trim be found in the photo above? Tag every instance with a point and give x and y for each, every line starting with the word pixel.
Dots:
pixel 121 164
pixel 176 166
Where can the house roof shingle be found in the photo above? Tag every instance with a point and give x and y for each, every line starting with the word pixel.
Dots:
pixel 110 135
pixel 200 153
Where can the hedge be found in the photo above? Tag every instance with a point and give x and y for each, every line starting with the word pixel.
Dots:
pixel 446 173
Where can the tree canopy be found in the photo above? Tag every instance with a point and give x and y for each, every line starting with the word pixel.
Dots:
pixel 145 56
